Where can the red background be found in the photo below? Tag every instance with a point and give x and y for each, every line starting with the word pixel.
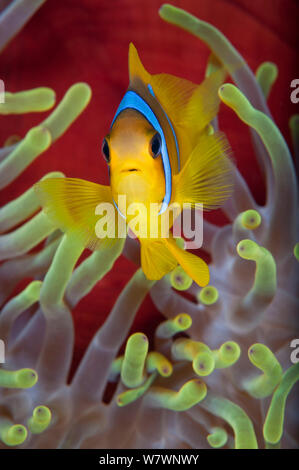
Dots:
pixel 87 40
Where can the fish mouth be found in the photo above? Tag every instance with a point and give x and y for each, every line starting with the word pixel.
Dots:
pixel 129 170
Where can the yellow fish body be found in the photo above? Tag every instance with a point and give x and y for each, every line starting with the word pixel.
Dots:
pixel 159 151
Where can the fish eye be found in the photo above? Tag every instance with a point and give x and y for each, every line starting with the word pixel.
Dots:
pixel 106 151
pixel 155 145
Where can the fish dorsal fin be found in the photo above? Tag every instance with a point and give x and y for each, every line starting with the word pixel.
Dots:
pixel 204 103
pixel 136 69
pixel 70 203
pixel 185 103
pixel 190 107
pixel 173 94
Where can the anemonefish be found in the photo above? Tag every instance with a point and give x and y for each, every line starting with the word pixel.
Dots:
pixel 160 149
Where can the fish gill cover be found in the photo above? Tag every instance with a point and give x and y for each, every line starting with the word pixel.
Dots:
pixel 214 367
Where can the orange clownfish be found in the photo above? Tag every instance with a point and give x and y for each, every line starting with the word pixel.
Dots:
pixel 160 149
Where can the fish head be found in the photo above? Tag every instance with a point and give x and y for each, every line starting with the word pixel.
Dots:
pixel 135 161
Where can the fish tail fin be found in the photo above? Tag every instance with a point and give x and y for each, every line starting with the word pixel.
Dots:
pixel 194 266
pixel 207 176
pixel 71 204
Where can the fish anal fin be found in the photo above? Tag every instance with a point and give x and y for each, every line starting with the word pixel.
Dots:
pixel 156 259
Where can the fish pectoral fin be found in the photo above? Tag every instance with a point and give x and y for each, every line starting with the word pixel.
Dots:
pixel 71 204
pixel 207 176
pixel 194 266
pixel 156 259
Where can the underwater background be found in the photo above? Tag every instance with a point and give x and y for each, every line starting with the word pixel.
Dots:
pixel 69 42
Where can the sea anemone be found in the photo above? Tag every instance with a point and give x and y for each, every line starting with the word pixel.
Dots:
pixel 196 384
